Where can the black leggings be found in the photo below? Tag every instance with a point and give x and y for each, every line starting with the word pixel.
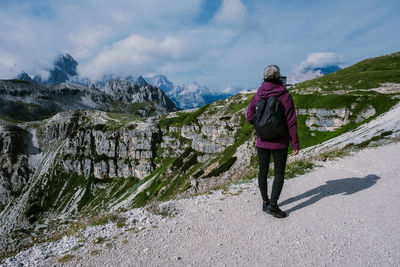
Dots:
pixel 280 157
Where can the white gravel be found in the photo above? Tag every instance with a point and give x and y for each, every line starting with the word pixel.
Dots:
pixel 345 213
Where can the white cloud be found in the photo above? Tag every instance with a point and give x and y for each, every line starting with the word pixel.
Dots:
pixel 23 46
pixel 137 54
pixel 232 13
pixel 322 59
pixel 228 89
pixel 82 29
pixel 87 39
pixel 306 70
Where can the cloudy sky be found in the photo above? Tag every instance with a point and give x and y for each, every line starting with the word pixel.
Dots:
pixel 220 43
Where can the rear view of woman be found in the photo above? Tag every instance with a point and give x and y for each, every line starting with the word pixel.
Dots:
pixel 278 147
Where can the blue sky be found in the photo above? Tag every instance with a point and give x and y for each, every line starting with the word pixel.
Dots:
pixel 223 44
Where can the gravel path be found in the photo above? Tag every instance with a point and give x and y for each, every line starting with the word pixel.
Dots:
pixel 345 213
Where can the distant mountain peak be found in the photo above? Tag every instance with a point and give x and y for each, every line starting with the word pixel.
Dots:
pixel 67 64
pixel 141 81
pixel 188 94
pixel 161 82
pixel 24 76
pixel 64 68
pixel 37 79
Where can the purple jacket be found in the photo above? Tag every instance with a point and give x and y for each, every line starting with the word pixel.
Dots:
pixel 272 89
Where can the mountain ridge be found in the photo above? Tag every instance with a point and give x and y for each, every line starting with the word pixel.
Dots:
pixel 187 95
pixel 36 101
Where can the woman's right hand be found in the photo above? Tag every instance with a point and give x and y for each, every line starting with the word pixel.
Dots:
pixel 295 152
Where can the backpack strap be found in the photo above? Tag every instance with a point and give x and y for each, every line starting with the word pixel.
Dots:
pixel 264 104
pixel 277 102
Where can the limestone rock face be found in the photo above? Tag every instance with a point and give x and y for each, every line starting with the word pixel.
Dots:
pixel 209 136
pixel 14 172
pixel 325 119
pixel 123 153
pixel 365 114
pixel 219 131
pixel 135 92
pixel 319 119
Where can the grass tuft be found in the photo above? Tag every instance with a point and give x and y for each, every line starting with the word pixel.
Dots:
pixel 66 258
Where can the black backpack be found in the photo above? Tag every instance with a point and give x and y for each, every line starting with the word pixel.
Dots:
pixel 270 120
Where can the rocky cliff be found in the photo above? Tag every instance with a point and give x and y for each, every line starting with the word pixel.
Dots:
pixel 125 91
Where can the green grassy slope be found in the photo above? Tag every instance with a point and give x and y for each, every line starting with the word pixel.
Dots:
pixel 369 73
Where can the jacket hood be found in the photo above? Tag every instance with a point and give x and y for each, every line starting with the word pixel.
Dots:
pixel 271 89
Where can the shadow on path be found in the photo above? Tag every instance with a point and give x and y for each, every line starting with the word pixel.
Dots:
pixel 347 186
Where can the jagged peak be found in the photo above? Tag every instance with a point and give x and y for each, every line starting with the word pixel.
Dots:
pixel 141 81
pixel 37 78
pixel 159 77
pixel 160 81
pixel 24 76
pixel 64 56
pixel 66 63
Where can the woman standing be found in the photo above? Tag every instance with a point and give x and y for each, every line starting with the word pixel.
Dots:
pixel 272 86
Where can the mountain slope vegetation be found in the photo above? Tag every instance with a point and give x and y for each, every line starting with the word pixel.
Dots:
pixel 367 74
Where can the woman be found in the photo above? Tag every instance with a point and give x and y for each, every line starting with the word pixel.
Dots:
pixel 272 86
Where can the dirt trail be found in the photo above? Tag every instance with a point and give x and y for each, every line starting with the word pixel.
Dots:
pixel 345 213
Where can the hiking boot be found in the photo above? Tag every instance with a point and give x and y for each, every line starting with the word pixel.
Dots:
pixel 275 211
pixel 265 205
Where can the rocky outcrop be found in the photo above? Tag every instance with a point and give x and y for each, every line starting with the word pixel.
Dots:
pixel 365 114
pixel 330 120
pixel 128 152
pixel 129 92
pixel 325 119
pixel 15 170
pixel 209 136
